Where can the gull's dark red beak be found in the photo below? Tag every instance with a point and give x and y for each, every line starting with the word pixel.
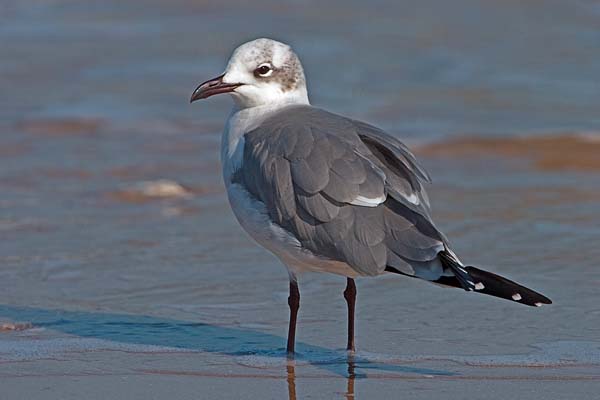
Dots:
pixel 212 87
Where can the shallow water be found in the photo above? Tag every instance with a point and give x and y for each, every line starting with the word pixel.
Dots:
pixel 136 286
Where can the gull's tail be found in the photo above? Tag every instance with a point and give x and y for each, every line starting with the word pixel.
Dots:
pixel 471 278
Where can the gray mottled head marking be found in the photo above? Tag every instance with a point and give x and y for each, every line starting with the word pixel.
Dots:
pixel 287 70
pixel 290 75
pixel 282 83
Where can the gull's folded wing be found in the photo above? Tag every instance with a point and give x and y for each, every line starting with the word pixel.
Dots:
pixel 347 191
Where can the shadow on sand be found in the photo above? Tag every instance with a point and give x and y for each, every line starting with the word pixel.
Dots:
pixel 196 336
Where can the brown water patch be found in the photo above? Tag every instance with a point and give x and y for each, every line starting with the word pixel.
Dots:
pixel 519 202
pixel 64 173
pixel 549 153
pixel 61 126
pixel 15 326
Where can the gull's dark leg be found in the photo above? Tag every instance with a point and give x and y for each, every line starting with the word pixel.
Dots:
pixel 350 296
pixel 294 303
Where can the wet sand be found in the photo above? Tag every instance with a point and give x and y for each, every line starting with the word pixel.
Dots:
pixel 124 274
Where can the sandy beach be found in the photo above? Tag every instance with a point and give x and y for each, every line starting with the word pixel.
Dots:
pixel 123 273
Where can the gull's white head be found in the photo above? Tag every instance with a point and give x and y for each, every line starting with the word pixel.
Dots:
pixel 260 72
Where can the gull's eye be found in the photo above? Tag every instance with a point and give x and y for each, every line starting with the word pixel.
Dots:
pixel 263 70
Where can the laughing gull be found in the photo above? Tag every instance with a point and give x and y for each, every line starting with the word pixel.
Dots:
pixel 328 193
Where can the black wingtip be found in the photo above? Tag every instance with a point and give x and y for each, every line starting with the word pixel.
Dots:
pixel 498 286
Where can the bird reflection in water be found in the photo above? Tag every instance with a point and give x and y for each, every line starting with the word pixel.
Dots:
pixel 291 379
pixel 351 376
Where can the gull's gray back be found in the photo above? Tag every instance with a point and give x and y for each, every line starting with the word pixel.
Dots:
pixel 346 190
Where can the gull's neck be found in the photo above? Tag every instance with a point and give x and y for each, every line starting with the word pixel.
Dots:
pixel 240 122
